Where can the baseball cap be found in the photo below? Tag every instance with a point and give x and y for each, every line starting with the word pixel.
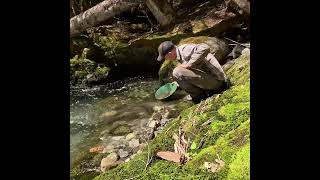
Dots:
pixel 164 48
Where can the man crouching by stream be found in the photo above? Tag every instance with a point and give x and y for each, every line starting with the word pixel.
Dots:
pixel 199 73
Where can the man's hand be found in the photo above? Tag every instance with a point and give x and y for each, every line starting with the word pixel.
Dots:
pixel 175 82
pixel 184 66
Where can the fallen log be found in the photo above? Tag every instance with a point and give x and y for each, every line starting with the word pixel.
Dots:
pixel 99 13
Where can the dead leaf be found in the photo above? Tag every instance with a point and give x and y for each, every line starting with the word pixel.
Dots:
pixel 170 156
pixel 98 148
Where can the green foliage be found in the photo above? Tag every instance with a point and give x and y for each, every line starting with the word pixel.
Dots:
pixel 193 146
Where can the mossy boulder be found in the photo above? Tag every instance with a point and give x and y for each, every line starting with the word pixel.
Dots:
pixel 218 47
pixel 218 128
pixel 84 71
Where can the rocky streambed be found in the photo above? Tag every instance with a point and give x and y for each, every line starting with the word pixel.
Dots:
pixel 110 124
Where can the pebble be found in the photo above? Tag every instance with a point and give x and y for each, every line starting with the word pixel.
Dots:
pixel 108 162
pixel 156 116
pixel 117 138
pixel 152 124
pixel 108 114
pixel 122 153
pixel 108 149
pixel 157 108
pixel 134 143
pixel 130 136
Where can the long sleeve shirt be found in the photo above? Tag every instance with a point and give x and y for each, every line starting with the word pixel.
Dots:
pixel 198 56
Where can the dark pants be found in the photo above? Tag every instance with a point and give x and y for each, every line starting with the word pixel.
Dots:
pixel 197 83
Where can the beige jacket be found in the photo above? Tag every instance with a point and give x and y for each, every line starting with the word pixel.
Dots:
pixel 198 56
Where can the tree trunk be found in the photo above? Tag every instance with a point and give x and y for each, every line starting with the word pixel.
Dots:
pixel 162 11
pixel 99 13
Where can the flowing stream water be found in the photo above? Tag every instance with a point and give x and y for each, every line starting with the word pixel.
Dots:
pixel 96 111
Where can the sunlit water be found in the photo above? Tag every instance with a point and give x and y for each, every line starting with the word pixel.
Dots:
pixel 93 110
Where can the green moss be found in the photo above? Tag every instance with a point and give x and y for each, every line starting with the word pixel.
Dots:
pixel 240 165
pixel 165 71
pixel 234 111
pixel 121 130
pixel 194 40
pixel 80 74
pixel 86 160
pixel 96 160
pixel 225 147
pixel 80 69
pixel 102 70
pixel 85 176
pixel 239 73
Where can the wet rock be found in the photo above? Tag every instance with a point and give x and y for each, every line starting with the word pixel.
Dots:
pixel 117 138
pixel 143 121
pixel 134 143
pixel 236 51
pixel 172 106
pixel 156 116
pixel 120 145
pixel 219 48
pixel 108 114
pixel 108 149
pixel 142 114
pixel 163 122
pixel 173 113
pixel 130 136
pixel 113 156
pixel 109 162
pixel 132 156
pixel 105 131
pixel 157 108
pixel 152 124
pixel 118 123
pixel 102 138
pixel 150 134
pixel 122 153
pixel 142 146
